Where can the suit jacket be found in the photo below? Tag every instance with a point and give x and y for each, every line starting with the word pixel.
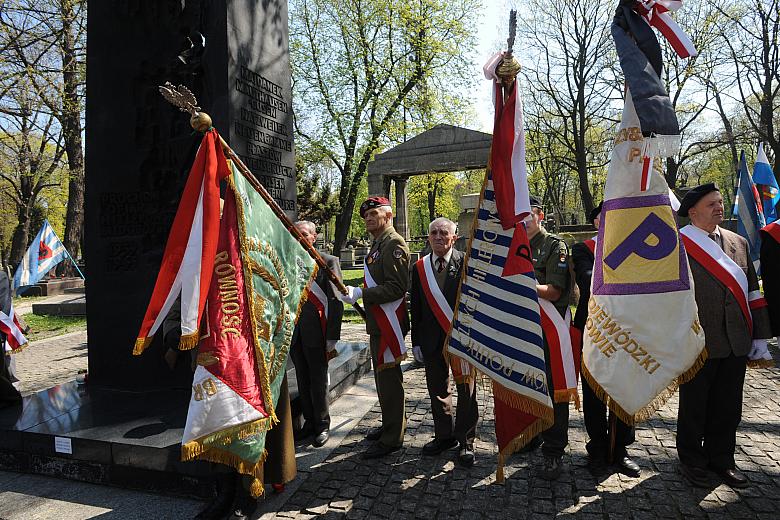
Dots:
pixel 725 330
pixel 426 331
pixel 770 272
pixel 583 271
pixel 309 326
pixel 388 263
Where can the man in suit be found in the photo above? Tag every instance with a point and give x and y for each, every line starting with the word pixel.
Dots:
pixel 429 331
pixel 593 408
pixel 9 395
pixel 711 402
pixel 387 278
pixel 770 257
pixel 314 338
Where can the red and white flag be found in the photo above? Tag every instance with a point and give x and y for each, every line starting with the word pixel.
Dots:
pixel 656 14
pixel 319 299
pixel 563 341
pixel 9 325
pixel 507 154
pixel 189 253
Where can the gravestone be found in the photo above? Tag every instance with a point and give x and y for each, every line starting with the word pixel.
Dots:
pixel 234 57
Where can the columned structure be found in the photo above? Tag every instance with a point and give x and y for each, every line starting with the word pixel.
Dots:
pixel 443 148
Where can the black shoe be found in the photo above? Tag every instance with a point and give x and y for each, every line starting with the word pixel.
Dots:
pixel 379 450
pixel 321 438
pixel 532 445
pixel 304 433
pixel 244 509
pixel 628 467
pixel 466 457
pixel 733 477
pixel 552 468
pixel 220 506
pixel 696 476
pixel 374 434
pixel 597 465
pixel 437 446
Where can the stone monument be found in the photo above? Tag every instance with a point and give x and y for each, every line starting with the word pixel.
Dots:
pixel 234 57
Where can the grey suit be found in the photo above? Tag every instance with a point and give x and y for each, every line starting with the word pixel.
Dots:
pixel 308 351
pixel 8 393
pixel 711 403
pixel 430 336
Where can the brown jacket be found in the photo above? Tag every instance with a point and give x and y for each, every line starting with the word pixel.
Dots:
pixel 725 330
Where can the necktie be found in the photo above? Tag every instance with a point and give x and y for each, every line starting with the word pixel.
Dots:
pixel 439 264
pixel 714 238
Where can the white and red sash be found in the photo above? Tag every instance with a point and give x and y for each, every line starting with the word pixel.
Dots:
pixel 392 348
pixel 591 244
pixel 772 230
pixel 9 325
pixel 564 353
pixel 707 253
pixel 318 298
pixel 441 309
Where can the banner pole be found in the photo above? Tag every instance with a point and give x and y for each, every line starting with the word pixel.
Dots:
pixel 612 437
pixel 201 122
pixel 74 264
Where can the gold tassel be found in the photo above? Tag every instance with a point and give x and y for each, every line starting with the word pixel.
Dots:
pixel 140 345
pixel 256 489
pixel 761 363
pixel 189 341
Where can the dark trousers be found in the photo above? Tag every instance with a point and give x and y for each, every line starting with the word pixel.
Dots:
pixel 9 395
pixel 311 371
pixel 556 437
pixel 437 376
pixel 597 426
pixel 390 390
pixel 710 412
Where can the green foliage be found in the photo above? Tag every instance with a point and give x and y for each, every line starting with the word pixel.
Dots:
pixel 47 326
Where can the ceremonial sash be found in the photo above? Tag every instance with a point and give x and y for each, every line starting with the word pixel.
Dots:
pixel 705 251
pixel 461 370
pixel 772 230
pixel 392 349
pixel 564 353
pixel 318 298
pixel 591 244
pixel 9 325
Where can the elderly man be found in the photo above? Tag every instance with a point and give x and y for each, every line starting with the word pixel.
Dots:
pixel 314 343
pixel 593 408
pixel 435 280
pixel 387 280
pixel 734 318
pixel 551 268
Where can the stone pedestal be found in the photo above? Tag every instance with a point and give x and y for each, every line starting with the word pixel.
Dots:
pixel 401 222
pixel 139 149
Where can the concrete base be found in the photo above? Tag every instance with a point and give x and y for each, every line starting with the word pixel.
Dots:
pixel 126 439
pixel 59 285
pixel 77 306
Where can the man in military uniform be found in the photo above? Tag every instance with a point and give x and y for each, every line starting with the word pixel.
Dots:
pixel 387 277
pixel 551 268
pixel 319 324
pixel 594 410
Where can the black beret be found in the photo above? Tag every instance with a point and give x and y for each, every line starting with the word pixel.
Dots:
pixel 595 212
pixel 694 195
pixel 372 202
pixel 535 202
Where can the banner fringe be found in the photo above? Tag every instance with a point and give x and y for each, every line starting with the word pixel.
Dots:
pixel 761 363
pixel 140 345
pixel 197 447
pixel 459 378
pixel 519 442
pixel 657 402
pixel 567 395
pixel 524 404
pixel 252 469
pixel 19 348
pixel 189 341
pixel 395 363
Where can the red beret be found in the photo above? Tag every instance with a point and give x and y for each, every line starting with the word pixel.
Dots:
pixel 371 203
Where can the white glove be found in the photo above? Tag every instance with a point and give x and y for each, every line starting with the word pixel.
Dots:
pixel 417 353
pixel 353 295
pixel 759 350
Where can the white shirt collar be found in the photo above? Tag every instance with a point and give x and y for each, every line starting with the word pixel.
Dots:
pixel 447 257
pixel 707 233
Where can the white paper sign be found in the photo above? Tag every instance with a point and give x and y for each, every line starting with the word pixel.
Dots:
pixel 63 445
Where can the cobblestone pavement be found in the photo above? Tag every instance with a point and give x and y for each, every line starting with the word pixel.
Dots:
pixel 51 361
pixel 410 485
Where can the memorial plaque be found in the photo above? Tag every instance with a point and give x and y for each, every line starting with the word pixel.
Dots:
pixel 139 149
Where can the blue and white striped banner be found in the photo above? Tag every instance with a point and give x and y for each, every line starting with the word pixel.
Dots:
pixel 497 327
pixel 45 252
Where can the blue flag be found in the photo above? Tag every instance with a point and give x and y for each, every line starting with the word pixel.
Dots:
pixel 749 212
pixel 44 253
pixel 766 183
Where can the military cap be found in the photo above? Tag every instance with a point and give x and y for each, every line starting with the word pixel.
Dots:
pixel 371 203
pixel 535 202
pixel 595 212
pixel 694 195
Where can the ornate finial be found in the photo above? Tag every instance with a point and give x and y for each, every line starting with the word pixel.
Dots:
pixel 509 66
pixel 183 98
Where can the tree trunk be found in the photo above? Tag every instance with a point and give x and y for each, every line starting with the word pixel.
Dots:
pixel 672 169
pixel 71 131
pixel 21 236
pixel 432 188
pixel 343 221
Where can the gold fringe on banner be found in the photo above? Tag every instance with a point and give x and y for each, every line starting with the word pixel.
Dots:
pixel 197 447
pixel 567 395
pixel 19 348
pixel 140 345
pixel 459 378
pixel 189 341
pixel 761 363
pixel 392 364
pixel 252 469
pixel 519 442
pixel 657 402
pixel 524 404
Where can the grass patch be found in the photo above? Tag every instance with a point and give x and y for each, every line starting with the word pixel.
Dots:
pixel 48 326
pixel 353 277
pixel 27 299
